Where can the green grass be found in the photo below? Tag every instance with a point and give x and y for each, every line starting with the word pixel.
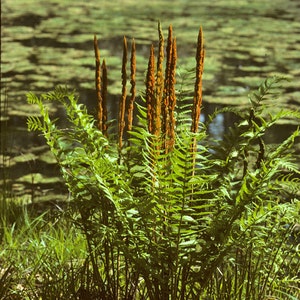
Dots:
pixel 47 257
pixel 41 257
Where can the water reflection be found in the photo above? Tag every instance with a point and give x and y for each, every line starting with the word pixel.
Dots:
pixel 45 44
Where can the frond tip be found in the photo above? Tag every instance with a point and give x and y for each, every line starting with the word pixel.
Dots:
pixel 34 124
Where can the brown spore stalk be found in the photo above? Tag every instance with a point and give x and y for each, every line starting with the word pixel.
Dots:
pixel 150 91
pixel 98 84
pixel 159 84
pixel 169 97
pixel 172 97
pixel 197 102
pixel 122 105
pixel 132 82
pixel 166 96
pixel 104 97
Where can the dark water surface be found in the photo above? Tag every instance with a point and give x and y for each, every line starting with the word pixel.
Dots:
pixel 45 43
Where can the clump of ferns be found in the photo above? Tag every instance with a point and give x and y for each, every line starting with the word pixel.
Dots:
pixel 165 201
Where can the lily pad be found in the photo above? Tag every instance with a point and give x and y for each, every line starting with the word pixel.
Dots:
pixel 35 178
pixel 25 157
pixel 48 157
pixel 20 32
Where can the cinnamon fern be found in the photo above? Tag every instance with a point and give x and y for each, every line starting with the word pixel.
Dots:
pixel 180 216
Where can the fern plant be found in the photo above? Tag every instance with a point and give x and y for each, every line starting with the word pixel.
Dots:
pixel 170 213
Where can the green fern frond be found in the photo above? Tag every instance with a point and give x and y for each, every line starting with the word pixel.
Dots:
pixel 269 89
pixel 35 123
pixel 33 99
pixel 285 146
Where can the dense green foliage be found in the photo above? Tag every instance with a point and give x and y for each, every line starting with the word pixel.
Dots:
pixel 207 222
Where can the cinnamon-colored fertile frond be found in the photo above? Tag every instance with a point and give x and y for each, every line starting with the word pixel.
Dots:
pixel 160 93
pixel 169 96
pixel 160 59
pixel 196 111
pixel 150 86
pixel 123 96
pixel 159 83
pixel 98 84
pixel 166 95
pixel 104 97
pixel 132 82
pixel 172 95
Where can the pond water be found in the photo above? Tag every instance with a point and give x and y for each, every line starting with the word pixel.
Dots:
pixel 48 43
